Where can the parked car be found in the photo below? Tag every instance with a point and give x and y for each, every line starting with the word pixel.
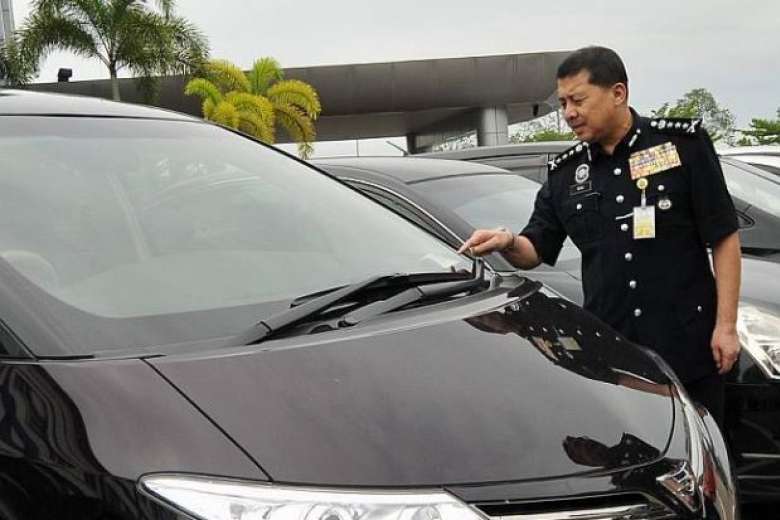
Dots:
pixel 756 194
pixel 764 157
pixel 195 325
pixel 452 198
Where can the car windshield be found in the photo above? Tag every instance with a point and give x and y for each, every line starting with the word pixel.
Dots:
pixel 752 188
pixel 148 232
pixel 489 200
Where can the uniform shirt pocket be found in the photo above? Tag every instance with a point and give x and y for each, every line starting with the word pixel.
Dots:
pixel 670 195
pixel 582 219
pixel 696 314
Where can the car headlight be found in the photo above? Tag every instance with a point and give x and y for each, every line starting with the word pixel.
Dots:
pixel 759 334
pixel 216 499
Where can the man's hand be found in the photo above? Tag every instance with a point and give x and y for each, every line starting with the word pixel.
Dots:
pixel 725 348
pixel 486 241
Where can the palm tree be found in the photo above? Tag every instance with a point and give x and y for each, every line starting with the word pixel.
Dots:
pixel 261 100
pixel 16 68
pixel 123 34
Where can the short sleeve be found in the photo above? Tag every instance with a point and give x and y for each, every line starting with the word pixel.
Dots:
pixel 544 229
pixel 713 208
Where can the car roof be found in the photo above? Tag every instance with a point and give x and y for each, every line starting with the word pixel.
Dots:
pixel 483 152
pixel 751 150
pixel 410 169
pixel 24 102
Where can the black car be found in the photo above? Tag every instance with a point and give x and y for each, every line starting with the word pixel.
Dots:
pixel 195 325
pixel 452 198
pixel 756 193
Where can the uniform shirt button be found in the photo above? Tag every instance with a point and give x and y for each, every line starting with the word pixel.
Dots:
pixel 637 312
pixel 661 187
pixel 579 207
pixel 624 227
pixel 628 257
pixel 620 199
pixel 632 284
pixel 617 171
pixel 699 308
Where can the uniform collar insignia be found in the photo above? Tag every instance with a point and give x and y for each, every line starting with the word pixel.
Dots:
pixel 577 149
pixel 675 125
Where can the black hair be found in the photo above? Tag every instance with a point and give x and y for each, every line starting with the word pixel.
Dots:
pixel 604 65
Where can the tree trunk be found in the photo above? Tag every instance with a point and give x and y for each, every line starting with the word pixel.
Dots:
pixel 114 83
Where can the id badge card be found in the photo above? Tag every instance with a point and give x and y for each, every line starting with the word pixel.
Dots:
pixel 644 222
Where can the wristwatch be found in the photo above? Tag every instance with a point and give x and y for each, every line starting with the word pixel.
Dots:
pixel 511 245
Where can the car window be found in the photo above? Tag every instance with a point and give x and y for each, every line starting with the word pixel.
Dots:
pixel 489 200
pixel 126 219
pixel 390 200
pixel 753 189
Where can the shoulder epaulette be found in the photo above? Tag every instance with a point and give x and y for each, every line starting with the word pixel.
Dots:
pixel 577 149
pixel 675 125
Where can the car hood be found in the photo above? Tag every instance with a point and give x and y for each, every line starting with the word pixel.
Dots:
pixel 484 389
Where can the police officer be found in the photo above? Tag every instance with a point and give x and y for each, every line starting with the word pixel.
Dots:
pixel 642 199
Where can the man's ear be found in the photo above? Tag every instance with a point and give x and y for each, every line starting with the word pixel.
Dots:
pixel 620 93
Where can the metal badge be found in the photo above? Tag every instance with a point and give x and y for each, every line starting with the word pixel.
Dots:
pixel 665 204
pixel 582 174
pixel 642 183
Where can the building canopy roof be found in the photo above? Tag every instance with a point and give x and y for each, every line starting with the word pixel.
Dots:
pixel 394 98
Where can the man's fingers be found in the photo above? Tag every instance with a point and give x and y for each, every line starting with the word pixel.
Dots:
pixel 718 356
pixel 728 362
pixel 477 238
pixel 466 245
pixel 487 247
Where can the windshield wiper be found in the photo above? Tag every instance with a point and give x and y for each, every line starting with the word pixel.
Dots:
pixel 309 307
pixel 410 296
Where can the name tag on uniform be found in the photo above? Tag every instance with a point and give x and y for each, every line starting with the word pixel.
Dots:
pixel 653 160
pixel 579 189
pixel 644 222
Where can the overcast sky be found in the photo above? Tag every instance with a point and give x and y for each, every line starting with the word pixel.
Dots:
pixel 669 46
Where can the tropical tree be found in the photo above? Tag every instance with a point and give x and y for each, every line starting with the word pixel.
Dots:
pixel 16 68
pixel 550 127
pixel 700 103
pixel 122 34
pixel 763 131
pixel 259 101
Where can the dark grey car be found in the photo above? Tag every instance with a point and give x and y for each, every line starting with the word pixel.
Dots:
pixel 755 192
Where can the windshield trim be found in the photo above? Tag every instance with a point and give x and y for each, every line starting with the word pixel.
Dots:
pixel 408 201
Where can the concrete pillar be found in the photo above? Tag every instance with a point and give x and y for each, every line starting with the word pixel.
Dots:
pixel 411 143
pixel 492 126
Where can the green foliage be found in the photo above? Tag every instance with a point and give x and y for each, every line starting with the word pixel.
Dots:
pixel 700 103
pixel 122 34
pixel 763 131
pixel 263 100
pixel 549 135
pixel 16 67
pixel 549 127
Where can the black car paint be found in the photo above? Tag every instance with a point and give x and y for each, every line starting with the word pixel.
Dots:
pixel 371 406
pixel 753 400
pixel 77 434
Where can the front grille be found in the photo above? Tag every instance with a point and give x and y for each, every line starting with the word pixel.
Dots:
pixel 610 507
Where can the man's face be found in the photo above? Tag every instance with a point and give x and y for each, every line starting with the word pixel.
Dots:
pixel 590 111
